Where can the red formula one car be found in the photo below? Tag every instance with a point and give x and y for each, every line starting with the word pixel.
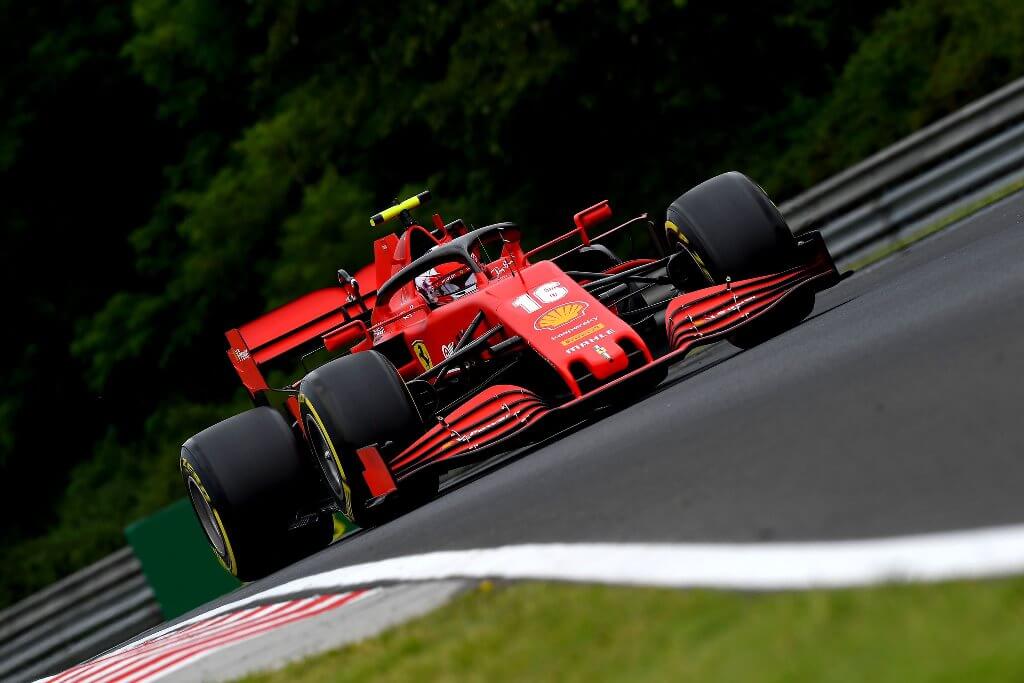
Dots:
pixel 456 344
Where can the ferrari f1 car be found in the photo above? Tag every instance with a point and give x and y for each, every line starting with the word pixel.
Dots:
pixel 456 344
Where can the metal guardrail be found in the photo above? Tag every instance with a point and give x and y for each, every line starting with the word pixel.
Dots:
pixel 978 147
pixel 80 616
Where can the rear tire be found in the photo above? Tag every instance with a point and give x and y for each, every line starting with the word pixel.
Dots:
pixel 346 404
pixel 733 230
pixel 247 481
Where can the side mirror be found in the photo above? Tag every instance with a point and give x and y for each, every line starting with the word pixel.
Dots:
pixel 346 337
pixel 348 283
pixel 588 218
pixel 351 287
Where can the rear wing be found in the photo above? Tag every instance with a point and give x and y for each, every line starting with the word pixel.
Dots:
pixel 291 326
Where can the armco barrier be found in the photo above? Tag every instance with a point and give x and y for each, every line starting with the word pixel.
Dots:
pixel 167 570
pixel 980 146
pixel 76 618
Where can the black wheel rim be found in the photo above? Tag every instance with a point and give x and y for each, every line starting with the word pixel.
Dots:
pixel 325 458
pixel 207 518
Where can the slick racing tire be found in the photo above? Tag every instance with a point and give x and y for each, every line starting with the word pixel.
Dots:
pixel 733 230
pixel 247 481
pixel 346 404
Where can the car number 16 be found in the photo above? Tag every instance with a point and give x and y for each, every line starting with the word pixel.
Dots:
pixel 547 293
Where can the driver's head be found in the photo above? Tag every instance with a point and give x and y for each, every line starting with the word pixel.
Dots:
pixel 446 283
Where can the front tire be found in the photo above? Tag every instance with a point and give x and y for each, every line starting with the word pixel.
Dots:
pixel 248 482
pixel 346 404
pixel 732 230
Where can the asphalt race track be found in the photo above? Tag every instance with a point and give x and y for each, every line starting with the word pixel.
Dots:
pixel 897 408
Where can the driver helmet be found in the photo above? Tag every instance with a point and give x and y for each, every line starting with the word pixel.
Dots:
pixel 446 283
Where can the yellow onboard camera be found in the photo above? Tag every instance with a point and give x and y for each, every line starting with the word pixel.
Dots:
pixel 400 208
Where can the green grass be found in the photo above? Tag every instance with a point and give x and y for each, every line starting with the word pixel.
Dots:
pixel 932 228
pixel 556 632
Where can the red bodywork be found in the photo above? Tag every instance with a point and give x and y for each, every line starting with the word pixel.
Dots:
pixel 565 325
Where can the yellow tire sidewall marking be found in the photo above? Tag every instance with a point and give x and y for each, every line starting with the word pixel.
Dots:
pixel 334 454
pixel 672 228
pixel 228 563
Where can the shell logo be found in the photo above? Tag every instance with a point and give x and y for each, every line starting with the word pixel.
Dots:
pixel 560 315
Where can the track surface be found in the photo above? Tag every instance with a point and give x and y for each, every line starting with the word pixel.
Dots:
pixel 897 408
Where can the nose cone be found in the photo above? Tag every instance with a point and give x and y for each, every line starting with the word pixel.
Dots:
pixel 599 356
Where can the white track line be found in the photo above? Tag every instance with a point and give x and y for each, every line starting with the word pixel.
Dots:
pixel 979 553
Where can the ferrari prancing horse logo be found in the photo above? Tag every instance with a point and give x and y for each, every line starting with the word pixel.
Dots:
pixel 419 349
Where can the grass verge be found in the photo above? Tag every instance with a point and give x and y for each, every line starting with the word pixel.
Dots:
pixel 964 631
pixel 932 228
